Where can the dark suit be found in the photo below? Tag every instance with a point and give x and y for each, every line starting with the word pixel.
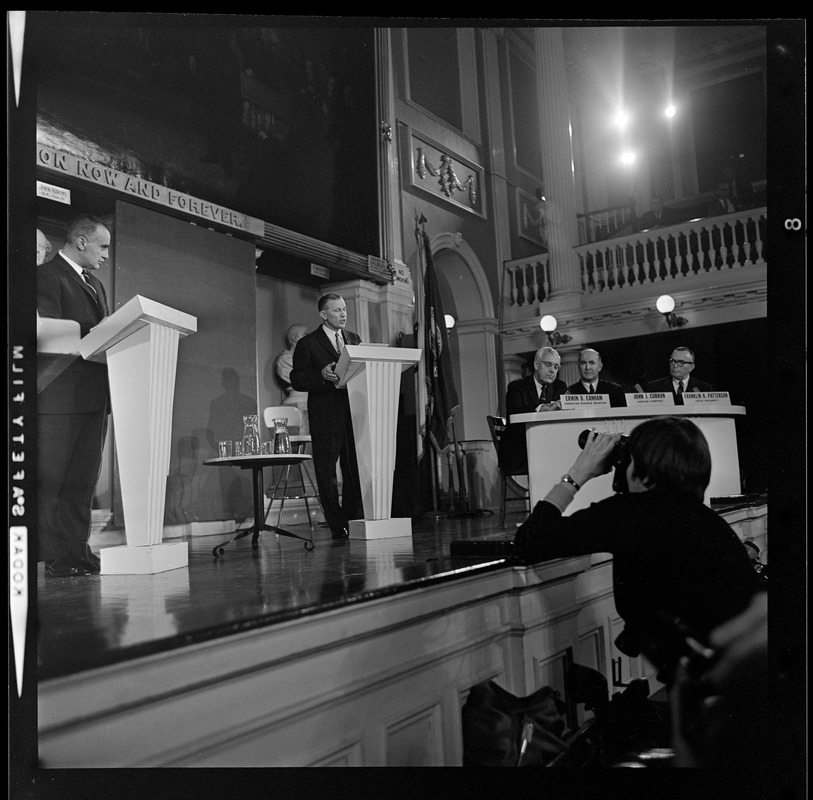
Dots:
pixel 649 220
pixel 665 385
pixel 521 398
pixel 615 390
pixel 718 207
pixel 71 417
pixel 331 427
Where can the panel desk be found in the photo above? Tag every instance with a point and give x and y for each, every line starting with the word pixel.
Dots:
pixel 257 464
pixel 553 445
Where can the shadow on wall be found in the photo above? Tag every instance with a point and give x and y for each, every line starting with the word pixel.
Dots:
pixel 196 492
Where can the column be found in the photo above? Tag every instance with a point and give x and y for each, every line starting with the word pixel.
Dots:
pixel 557 163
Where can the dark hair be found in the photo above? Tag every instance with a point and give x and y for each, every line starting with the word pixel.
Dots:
pixel 83 225
pixel 326 298
pixel 671 453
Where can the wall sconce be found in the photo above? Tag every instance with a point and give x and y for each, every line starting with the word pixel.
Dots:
pixel 449 319
pixel 548 324
pixel 666 305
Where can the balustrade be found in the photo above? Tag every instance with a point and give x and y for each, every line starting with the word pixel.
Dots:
pixel 657 256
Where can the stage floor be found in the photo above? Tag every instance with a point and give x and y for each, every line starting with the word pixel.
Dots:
pixel 88 622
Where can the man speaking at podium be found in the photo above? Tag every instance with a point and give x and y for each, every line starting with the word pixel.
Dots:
pixel 72 409
pixel 331 426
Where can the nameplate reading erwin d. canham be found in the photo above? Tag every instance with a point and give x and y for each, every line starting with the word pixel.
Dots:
pixel 649 399
pixel 706 398
pixel 570 401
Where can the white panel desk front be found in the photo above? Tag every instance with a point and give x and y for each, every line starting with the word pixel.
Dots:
pixel 553 445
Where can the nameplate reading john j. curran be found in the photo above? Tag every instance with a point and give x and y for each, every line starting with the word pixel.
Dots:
pixel 637 399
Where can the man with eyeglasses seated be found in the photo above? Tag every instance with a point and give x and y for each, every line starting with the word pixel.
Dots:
pixel 537 392
pixel 680 380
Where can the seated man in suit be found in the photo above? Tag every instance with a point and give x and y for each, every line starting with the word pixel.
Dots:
pixel 537 392
pixel 659 216
pixel 590 366
pixel 722 203
pixel 679 381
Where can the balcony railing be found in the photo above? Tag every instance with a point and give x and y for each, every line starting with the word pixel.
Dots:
pixel 658 256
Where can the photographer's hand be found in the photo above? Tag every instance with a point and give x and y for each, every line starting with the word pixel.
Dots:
pixel 594 459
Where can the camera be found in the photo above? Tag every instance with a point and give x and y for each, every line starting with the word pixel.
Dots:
pixel 619 458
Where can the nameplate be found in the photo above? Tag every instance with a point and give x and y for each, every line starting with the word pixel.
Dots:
pixel 571 401
pixel 638 399
pixel 706 398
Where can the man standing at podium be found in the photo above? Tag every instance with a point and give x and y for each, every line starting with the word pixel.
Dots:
pixel 679 381
pixel 72 408
pixel 331 426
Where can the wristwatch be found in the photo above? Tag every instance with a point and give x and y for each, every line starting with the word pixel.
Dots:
pixel 567 479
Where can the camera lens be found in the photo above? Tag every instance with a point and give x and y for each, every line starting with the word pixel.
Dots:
pixel 619 458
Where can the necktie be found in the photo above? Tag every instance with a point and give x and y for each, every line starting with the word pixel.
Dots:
pixel 591 389
pixel 339 342
pixel 543 394
pixel 680 393
pixel 86 279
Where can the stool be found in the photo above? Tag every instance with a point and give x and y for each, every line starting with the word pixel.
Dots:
pixel 299 443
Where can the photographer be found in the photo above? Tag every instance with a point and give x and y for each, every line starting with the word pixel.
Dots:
pixel 677 565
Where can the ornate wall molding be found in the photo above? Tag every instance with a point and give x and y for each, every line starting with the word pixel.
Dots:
pixel 435 170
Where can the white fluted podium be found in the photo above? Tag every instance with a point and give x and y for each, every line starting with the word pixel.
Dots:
pixel 140 344
pixel 372 374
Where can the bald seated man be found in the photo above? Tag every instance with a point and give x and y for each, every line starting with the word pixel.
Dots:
pixel 590 381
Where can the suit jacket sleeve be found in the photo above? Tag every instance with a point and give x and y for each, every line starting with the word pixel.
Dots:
pixel 311 354
pixel 518 399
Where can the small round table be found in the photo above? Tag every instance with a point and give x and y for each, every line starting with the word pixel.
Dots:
pixel 256 464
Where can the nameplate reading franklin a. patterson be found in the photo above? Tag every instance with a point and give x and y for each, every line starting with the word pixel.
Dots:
pixel 706 398
pixel 571 401
pixel 636 399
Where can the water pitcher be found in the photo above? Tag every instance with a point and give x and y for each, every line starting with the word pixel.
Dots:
pixel 251 435
pixel 282 441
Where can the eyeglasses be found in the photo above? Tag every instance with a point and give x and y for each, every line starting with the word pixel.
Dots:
pixel 549 365
pixel 675 363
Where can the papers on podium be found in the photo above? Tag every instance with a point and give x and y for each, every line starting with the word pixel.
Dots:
pixel 348 364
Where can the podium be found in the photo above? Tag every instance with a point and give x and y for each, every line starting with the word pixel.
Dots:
pixel 372 374
pixel 140 344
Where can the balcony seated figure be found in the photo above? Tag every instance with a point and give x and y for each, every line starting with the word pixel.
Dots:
pixel 740 191
pixel 537 392
pixel 677 564
pixel 722 203
pixel 658 216
pixel 590 366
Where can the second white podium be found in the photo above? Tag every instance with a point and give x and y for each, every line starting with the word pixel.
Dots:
pixel 372 374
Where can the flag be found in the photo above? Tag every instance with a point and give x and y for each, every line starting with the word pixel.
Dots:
pixel 441 394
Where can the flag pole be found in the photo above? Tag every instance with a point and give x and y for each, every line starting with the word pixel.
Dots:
pixel 462 494
pixel 424 443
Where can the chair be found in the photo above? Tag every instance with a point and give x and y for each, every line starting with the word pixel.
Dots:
pixel 497 426
pixel 299 443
